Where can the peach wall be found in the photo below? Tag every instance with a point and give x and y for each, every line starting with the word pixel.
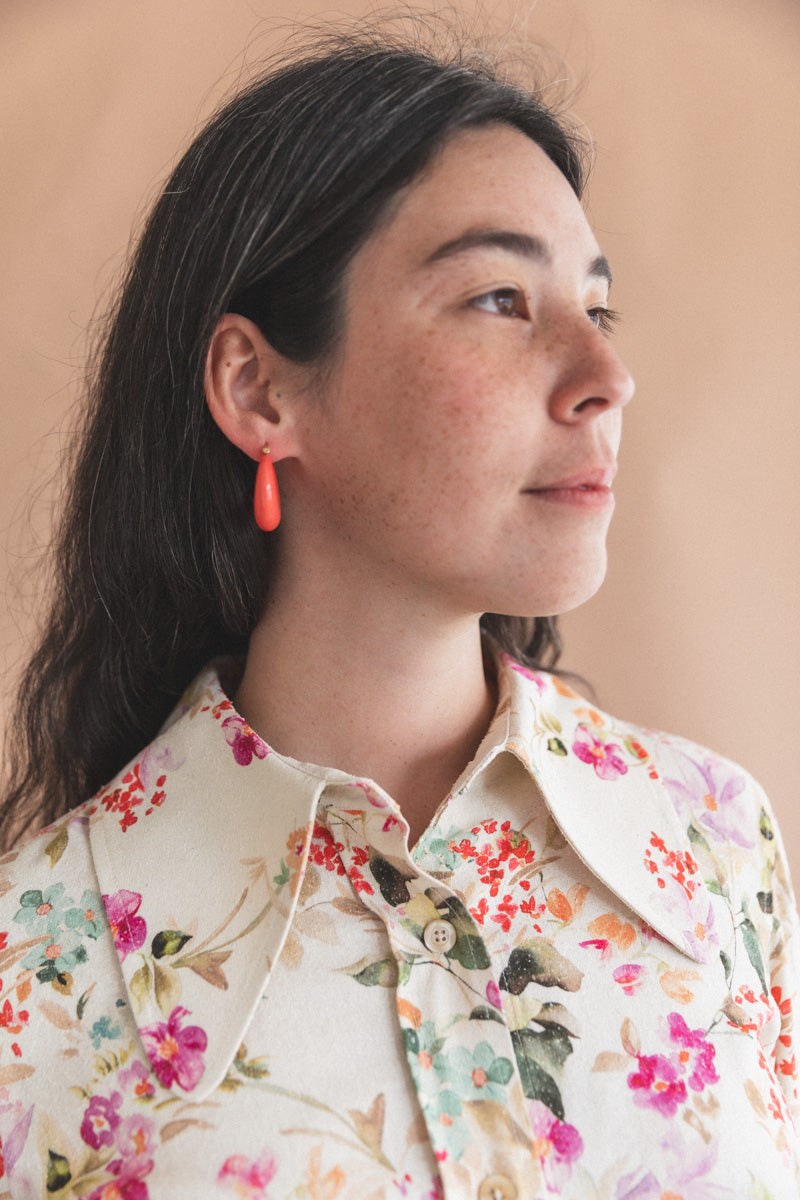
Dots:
pixel 693 105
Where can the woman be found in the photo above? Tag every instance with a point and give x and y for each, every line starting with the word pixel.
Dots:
pixel 496 944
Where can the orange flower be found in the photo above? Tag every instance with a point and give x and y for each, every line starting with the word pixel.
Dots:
pixel 619 932
pixel 559 905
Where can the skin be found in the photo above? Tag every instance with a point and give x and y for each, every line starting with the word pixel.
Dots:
pixel 454 458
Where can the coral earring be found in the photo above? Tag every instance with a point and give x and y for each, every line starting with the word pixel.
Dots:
pixel 267 501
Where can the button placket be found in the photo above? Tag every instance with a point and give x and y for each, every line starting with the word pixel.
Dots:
pixel 458 1046
pixel 497 1187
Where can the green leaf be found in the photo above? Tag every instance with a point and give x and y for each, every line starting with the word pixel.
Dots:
pixel 765 902
pixel 559 1017
pixel 753 948
pixel 167 988
pixel 57 845
pixel 169 941
pixel 84 1000
pixel 378 974
pixel 485 1012
pixel 31 899
pixel 696 837
pixel 550 1046
pixel 765 826
pixel 470 952
pixel 537 1084
pixel 727 967
pixel 283 876
pixel 251 1068
pixel 556 746
pixel 140 984
pixel 537 961
pixel 411 1040
pixel 500 1071
pixel 714 887
pixel 390 880
pixel 58 1172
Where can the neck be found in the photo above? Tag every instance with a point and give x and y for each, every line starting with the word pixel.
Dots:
pixel 404 702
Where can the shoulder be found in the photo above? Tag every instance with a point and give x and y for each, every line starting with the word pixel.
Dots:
pixel 50 904
pixel 721 808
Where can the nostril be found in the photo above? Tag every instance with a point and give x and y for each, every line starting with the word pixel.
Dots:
pixel 589 401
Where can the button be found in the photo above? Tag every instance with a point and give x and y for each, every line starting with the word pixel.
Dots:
pixel 439 936
pixel 497 1187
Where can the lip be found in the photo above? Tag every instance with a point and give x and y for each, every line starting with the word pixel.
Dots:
pixel 587 488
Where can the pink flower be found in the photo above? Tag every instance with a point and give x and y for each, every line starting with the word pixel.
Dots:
pixel 629 976
pixel 710 793
pixel 604 756
pixel 696 1055
pixel 244 742
pixel 136 1135
pixel 100 1121
pixel 556 1144
pixel 694 916
pixel 176 1054
pixel 601 944
pixel 129 930
pixel 508 661
pixel 681 1169
pixel 127 1182
pixel 248 1178
pixel 657 1084
pixel 493 995
pixel 138 1080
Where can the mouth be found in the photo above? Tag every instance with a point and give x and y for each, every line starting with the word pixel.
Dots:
pixel 589 489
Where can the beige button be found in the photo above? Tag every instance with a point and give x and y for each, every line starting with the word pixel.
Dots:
pixel 497 1187
pixel 439 936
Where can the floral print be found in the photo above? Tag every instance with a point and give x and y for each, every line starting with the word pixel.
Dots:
pixel 556 1144
pixel 175 1050
pixel 128 929
pixel 246 1178
pixel 605 757
pixel 251 1003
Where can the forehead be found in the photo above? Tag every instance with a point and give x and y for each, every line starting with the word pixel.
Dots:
pixel 490 178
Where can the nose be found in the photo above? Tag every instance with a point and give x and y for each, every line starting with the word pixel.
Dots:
pixel 592 378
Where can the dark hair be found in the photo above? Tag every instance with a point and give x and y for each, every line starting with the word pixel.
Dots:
pixel 158 563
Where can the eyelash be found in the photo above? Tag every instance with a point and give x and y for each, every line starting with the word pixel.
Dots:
pixel 603 318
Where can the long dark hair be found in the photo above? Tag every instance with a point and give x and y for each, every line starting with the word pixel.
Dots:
pixel 158 563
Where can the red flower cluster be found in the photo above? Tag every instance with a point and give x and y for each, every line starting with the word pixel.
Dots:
pixel 678 864
pixel 131 796
pixel 500 852
pixel 324 851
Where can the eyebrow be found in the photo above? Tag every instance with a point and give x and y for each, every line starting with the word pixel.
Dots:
pixel 516 243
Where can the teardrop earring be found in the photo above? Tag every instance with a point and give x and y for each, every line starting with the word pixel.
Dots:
pixel 266 500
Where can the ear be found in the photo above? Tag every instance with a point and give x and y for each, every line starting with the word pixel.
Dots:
pixel 242 382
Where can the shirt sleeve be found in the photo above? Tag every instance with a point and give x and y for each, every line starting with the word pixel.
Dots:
pixel 783 958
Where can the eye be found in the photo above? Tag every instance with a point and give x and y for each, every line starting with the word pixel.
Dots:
pixel 603 318
pixel 503 302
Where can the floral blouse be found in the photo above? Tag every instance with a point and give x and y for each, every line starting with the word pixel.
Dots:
pixel 227 975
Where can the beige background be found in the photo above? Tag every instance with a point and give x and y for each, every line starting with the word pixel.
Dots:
pixel 694 107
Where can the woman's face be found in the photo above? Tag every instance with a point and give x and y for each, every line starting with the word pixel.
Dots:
pixel 461 449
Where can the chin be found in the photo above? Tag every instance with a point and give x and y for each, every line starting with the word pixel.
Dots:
pixel 566 592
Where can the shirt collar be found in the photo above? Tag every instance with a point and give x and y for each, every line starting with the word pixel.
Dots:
pixel 200 845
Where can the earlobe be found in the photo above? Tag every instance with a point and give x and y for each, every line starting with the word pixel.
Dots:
pixel 240 373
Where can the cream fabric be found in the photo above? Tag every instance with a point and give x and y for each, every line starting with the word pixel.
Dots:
pixel 226 974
